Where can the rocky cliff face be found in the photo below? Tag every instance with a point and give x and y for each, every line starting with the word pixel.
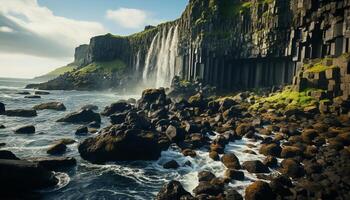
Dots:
pixel 230 44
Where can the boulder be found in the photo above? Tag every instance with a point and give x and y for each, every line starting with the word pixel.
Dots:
pixel 83 130
pixel 232 194
pixel 231 161
pixel 308 135
pixel 270 149
pixel 41 93
pixel 118 107
pixel 172 190
pixel 50 106
pixel 234 174
pixel 32 97
pixel 189 152
pixel 214 155
pixel 30 129
pixel 82 116
pixel 118 118
pixel 205 187
pixel 66 141
pixel 2 108
pixel 171 165
pixel 151 96
pixel 292 168
pixel 205 176
pixel 175 134
pixel 291 151
pixel 95 124
pixel 89 107
pixel 55 163
pixel 259 190
pixel 270 161
pixel 57 148
pixel 255 166
pixel 8 155
pixel 23 93
pixel 244 129
pixel 24 176
pixel 21 113
pixel 129 145
pixel 2 126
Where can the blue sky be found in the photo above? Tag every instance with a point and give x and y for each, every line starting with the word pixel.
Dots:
pixel 37 36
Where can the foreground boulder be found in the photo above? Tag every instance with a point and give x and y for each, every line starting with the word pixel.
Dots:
pixel 174 191
pixel 21 113
pixel 231 161
pixel 30 129
pixel 50 106
pixel 152 96
pixel 259 190
pixel 130 145
pixel 255 166
pixel 118 107
pixel 82 116
pixel 54 164
pixel 23 176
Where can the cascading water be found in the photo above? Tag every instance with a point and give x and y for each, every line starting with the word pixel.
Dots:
pixel 161 58
pixel 137 65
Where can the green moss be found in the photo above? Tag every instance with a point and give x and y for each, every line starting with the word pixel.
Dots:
pixel 318 65
pixel 62 70
pixel 106 67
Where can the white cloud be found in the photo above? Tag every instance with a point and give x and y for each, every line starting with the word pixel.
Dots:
pixel 37 31
pixel 130 18
pixel 6 29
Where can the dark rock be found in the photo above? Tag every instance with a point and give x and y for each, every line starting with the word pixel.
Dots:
pixel 172 190
pixel 118 107
pixel 2 126
pixel 308 135
pixel 126 146
pixel 206 187
pixel 30 129
pixel 234 174
pixel 57 148
pixel 21 113
pixel 118 118
pixel 270 161
pixel 255 166
pixel 2 108
pixel 32 97
pixel 54 164
pixel 21 175
pixel 89 107
pixel 83 130
pixel 151 96
pixel 23 93
pixel 66 141
pixel 171 165
pixel 291 151
pixel 280 185
pixel 189 152
pixel 82 116
pixel 8 155
pixel 175 134
pixel 2 144
pixel 214 155
pixel 232 194
pixel 50 106
pixel 41 93
pixel 259 190
pixel 230 161
pixel 270 149
pixel 244 129
pixel 205 176
pixel 94 125
pixel 292 168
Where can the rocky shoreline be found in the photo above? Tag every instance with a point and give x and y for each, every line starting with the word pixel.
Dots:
pixel 306 150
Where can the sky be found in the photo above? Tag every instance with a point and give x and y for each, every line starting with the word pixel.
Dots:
pixel 37 36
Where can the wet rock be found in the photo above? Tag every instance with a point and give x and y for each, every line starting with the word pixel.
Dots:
pixel 308 135
pixel 270 149
pixel 131 101
pixel 255 166
pixel 57 148
pixel 171 165
pixel 217 147
pixel 206 187
pixel 2 144
pixel 151 96
pixel 270 161
pixel 41 93
pixel 130 145
pixel 8 155
pixel 259 190
pixel 232 194
pixel 244 129
pixel 138 121
pixel 89 107
pixel 234 174
pixel 2 126
pixel 24 176
pixel 50 106
pixel 82 116
pixel 32 97
pixel 226 104
pixel 83 130
pixel 175 134
pixel 23 93
pixel 214 155
pixel 205 176
pixel 66 141
pixel 2 108
pixel 197 101
pixel 21 113
pixel 291 151
pixel 30 129
pixel 118 107
pixel 94 125
pixel 280 185
pixel 54 164
pixel 230 161
pixel 172 190
pixel 292 168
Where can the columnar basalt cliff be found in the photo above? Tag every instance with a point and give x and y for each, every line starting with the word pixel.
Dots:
pixel 230 44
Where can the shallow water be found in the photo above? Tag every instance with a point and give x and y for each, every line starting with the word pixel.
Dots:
pixel 122 180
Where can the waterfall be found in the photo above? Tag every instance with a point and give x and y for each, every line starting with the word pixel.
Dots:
pixel 161 58
pixel 137 65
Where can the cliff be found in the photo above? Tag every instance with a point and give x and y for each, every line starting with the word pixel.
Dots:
pixel 230 44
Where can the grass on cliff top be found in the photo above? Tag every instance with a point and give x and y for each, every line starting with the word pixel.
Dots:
pixel 113 66
pixel 288 98
pixel 62 70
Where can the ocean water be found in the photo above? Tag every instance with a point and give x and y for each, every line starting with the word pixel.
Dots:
pixel 121 180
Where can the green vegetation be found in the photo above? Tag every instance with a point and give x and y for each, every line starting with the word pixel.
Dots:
pixel 318 65
pixel 62 70
pixel 107 67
